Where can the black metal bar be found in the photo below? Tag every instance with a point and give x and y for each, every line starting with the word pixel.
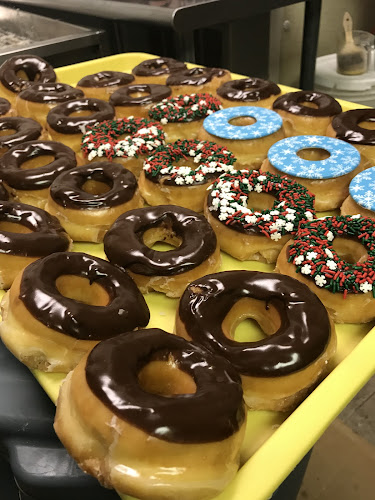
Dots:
pixel 310 43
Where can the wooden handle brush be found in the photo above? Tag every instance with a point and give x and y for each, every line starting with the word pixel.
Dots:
pixel 352 58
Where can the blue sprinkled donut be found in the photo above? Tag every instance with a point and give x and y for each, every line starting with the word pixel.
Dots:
pixel 362 189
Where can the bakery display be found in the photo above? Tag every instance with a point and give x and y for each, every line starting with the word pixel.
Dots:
pixel 250 136
pixel 15 130
pixel 128 244
pixel 157 70
pixel 137 99
pixel 179 173
pixel 38 99
pixel 254 213
pixel 102 84
pixel 28 169
pixel 26 234
pixel 357 127
pixel 335 258
pixel 306 113
pixel 325 166
pixel 200 80
pixel 278 371
pixel 87 200
pixel 161 387
pixel 361 199
pixel 248 92
pixel 19 72
pixel 127 141
pixel 60 306
pixel 183 115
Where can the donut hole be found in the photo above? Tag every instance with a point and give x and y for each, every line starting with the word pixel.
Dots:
pixel 349 250
pixel 14 227
pixel 81 112
pixel 161 239
pixel 260 201
pixel 37 162
pixel 251 320
pixel 164 378
pixel 242 121
pixel 94 187
pixel 367 124
pixel 7 131
pixel 308 104
pixel 139 93
pixel 81 290
pixel 22 75
pixel 313 154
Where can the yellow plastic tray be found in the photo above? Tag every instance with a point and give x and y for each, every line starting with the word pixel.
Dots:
pixel 275 442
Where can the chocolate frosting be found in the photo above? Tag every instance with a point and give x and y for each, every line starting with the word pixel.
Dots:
pixel 40 177
pixel 59 118
pixel 347 129
pixel 123 243
pixel 125 311
pixel 50 93
pixel 302 337
pixel 4 195
pixel 195 76
pixel 47 235
pixel 4 106
pixel 123 96
pixel 157 67
pixel 213 413
pixel 26 130
pixel 292 102
pixel 248 90
pixel 67 190
pixel 36 69
pixel 105 79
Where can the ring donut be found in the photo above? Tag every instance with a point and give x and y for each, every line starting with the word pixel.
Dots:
pixel 248 92
pixel 103 84
pixel 361 195
pixel 157 70
pixel 163 181
pixel 277 371
pixel 87 200
pixel 256 234
pixel 5 108
pixel 305 112
pixel 160 387
pixel 31 185
pixel 128 244
pixel 136 100
pixel 61 306
pixel 25 129
pixel 335 258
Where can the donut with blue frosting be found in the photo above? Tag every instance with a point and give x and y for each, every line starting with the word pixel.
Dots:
pixel 361 199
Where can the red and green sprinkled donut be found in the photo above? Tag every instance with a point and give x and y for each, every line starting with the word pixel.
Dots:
pixel 182 116
pixel 335 257
pixel 127 140
pixel 257 234
pixel 179 173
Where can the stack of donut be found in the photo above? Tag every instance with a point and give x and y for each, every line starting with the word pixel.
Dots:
pixel 170 168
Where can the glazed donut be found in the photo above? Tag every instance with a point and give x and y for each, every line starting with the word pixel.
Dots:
pixel 357 127
pixel 156 70
pixel 361 198
pixel 102 85
pixel 136 100
pixel 28 169
pixel 61 306
pixel 306 113
pixel 206 80
pixel 20 130
pixel 161 387
pixel 325 166
pixel 87 200
pixel 26 234
pixel 278 371
pixel 335 258
pixel 5 108
pixel 182 116
pixel 39 98
pixel 164 181
pixel 248 92
pixel 127 141
pixel 19 72
pixel 67 122
pixel 256 234
pixel 248 143
pixel 128 244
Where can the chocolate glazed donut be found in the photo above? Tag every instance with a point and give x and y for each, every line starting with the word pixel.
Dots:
pixel 126 309
pixel 124 246
pixel 26 130
pixel 105 79
pixel 158 66
pixel 154 93
pixel 4 106
pixel 346 126
pixel 302 337
pixel 11 163
pixel 50 93
pixel 195 76
pixel 293 103
pixel 248 90
pixel 4 195
pixel 34 67
pixel 216 405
